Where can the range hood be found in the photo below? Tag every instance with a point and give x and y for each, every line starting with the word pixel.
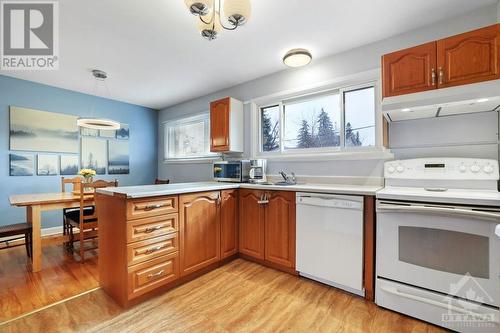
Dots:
pixel 470 98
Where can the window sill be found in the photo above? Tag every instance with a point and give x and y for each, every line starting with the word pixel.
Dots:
pixel 197 160
pixel 373 154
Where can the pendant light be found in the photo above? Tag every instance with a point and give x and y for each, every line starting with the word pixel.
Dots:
pixel 211 18
pixel 98 123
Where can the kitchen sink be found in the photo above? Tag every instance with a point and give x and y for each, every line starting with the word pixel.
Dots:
pixel 284 184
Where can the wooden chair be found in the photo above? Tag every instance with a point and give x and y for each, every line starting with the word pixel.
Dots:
pixel 85 218
pixel 162 181
pixel 17 230
pixel 75 182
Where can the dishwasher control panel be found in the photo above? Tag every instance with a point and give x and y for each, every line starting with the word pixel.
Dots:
pixel 330 200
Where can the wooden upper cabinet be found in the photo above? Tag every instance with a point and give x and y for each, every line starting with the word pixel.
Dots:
pixel 462 59
pixel 280 228
pixel 199 222
pixel 226 125
pixel 229 223
pixel 470 57
pixel 410 70
pixel 219 125
pixel 251 226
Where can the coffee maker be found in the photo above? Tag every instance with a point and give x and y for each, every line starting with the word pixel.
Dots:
pixel 257 174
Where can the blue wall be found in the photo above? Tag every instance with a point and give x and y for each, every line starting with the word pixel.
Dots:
pixel 143 124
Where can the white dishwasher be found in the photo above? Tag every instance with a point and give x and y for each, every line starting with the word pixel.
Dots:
pixel 330 240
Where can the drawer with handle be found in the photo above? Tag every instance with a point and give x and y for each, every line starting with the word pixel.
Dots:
pixel 139 208
pixel 152 248
pixel 147 276
pixel 151 227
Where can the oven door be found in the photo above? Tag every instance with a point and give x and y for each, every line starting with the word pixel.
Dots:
pixel 441 248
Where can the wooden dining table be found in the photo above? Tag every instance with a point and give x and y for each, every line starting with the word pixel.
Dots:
pixel 36 204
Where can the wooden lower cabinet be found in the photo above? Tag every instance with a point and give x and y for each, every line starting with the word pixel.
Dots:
pixel 144 253
pixel 229 223
pixel 267 226
pixel 280 228
pixel 150 275
pixel 252 227
pixel 199 231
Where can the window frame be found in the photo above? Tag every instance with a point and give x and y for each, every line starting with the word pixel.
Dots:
pixel 169 124
pixel 333 152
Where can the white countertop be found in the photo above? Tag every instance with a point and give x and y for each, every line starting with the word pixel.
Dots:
pixel 180 188
pixel 451 196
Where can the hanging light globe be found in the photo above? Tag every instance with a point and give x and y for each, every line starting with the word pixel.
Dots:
pixel 237 12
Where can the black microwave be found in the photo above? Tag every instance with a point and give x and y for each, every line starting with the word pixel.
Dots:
pixel 231 171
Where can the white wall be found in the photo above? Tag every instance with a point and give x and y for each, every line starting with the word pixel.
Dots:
pixel 321 70
pixel 469 135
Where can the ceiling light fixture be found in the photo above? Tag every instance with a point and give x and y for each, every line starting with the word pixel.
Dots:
pixel 406 110
pixel 98 123
pixel 482 100
pixel 236 13
pixel 297 58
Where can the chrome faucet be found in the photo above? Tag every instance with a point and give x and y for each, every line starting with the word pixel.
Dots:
pixel 290 180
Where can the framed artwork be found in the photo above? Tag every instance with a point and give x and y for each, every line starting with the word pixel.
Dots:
pixel 123 133
pixel 111 134
pixel 34 130
pixel 47 165
pixel 94 154
pixel 69 165
pixel 118 162
pixel 89 132
pixel 21 165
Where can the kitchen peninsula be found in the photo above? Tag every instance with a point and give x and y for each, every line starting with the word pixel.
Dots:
pixel 153 238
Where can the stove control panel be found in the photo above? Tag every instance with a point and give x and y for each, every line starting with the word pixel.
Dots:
pixel 442 169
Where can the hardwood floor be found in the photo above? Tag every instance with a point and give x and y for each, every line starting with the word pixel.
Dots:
pixel 22 291
pixel 238 297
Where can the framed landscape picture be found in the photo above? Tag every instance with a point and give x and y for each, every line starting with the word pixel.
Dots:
pixel 34 130
pixel 69 165
pixel 47 165
pixel 21 165
pixel 94 154
pixel 118 162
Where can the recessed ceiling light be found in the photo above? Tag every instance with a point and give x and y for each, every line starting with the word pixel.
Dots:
pixel 297 58
pixel 482 100
pixel 406 110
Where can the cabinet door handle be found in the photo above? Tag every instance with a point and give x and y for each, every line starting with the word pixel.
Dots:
pixel 433 76
pixel 151 229
pixel 151 207
pixel 263 200
pixel 155 275
pixel 154 249
pixel 441 75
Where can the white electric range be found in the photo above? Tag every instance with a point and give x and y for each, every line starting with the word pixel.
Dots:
pixel 438 256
